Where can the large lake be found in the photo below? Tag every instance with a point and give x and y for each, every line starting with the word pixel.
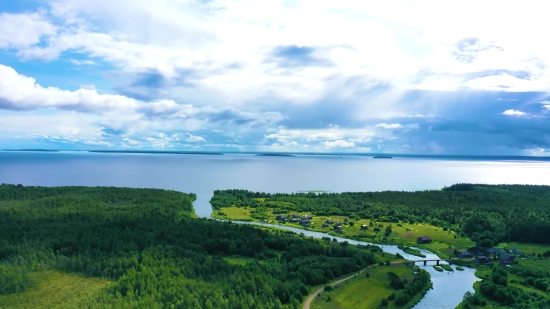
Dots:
pixel 202 174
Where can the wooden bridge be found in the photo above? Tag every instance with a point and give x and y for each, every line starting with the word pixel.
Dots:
pixel 450 261
pixel 433 260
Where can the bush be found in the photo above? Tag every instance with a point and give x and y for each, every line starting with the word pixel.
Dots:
pixel 328 288
pixel 384 302
pixel 391 297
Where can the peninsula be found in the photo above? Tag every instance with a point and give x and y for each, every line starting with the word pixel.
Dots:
pixel 471 224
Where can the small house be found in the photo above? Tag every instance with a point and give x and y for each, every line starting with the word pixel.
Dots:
pixel 482 260
pixel 464 254
pixel 295 220
pixel 497 252
pixel 282 218
pixel 307 217
pixel 363 227
pixel 295 216
pixel 329 222
pixel 338 229
pixel 304 222
pixel 423 240
pixel 509 260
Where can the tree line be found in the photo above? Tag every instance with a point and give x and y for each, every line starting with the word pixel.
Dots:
pixel 488 214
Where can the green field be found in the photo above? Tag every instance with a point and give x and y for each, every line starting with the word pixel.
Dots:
pixel 361 292
pixel 55 289
pixel 444 242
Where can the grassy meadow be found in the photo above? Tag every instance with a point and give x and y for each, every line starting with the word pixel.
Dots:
pixel 54 290
pixel 363 292
pixel 444 242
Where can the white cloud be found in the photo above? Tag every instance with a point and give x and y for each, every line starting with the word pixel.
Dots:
pixel 194 138
pixel 21 92
pixel 513 112
pixel 321 136
pixel 21 30
pixel 338 143
pixel 231 43
pixel 83 62
pixel 389 126
pixel 538 152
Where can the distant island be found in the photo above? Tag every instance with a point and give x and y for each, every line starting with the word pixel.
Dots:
pixel 157 152
pixel 32 150
pixel 275 155
pixel 382 157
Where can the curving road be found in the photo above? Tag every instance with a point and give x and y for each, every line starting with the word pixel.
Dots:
pixel 312 296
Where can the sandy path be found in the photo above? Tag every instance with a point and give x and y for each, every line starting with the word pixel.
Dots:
pixel 312 296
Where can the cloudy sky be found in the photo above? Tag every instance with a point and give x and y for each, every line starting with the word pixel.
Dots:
pixel 420 77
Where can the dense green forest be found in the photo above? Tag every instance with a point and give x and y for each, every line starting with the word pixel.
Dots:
pixel 488 214
pixel 510 288
pixel 157 254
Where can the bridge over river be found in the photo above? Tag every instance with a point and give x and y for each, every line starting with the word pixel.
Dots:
pixel 450 261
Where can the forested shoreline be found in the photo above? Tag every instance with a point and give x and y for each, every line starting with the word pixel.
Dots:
pixel 487 214
pixel 157 255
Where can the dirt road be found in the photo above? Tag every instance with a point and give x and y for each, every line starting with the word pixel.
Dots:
pixel 312 296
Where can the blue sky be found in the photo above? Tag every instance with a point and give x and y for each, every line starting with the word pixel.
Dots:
pixel 414 77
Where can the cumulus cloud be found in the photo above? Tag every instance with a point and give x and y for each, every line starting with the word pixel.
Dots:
pixel 389 126
pixel 238 46
pixel 272 73
pixel 19 92
pixel 338 143
pixel 513 112
pixel 22 30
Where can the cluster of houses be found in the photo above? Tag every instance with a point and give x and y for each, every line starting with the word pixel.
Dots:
pixel 488 256
pixel 303 220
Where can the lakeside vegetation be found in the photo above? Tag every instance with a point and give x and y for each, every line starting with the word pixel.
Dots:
pixel 515 287
pixel 144 248
pixel 487 214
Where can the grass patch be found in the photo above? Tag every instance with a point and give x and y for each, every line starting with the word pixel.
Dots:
pixel 55 289
pixel 444 242
pixel 438 268
pixel 233 213
pixel 412 251
pixel 351 293
pixel 459 268
pixel 240 260
pixel 447 267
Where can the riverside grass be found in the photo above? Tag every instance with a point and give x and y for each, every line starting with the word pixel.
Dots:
pixel 351 293
pixel 444 242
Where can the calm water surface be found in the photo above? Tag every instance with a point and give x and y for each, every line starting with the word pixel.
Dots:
pixel 202 174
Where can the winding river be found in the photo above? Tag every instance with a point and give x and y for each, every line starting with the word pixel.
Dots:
pixel 202 174
pixel 448 287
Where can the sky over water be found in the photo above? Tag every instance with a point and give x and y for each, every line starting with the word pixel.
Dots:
pixel 428 77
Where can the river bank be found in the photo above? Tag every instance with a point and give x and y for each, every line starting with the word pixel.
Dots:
pixel 447 288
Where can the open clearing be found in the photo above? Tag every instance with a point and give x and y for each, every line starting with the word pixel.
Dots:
pixel 361 292
pixel 55 289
